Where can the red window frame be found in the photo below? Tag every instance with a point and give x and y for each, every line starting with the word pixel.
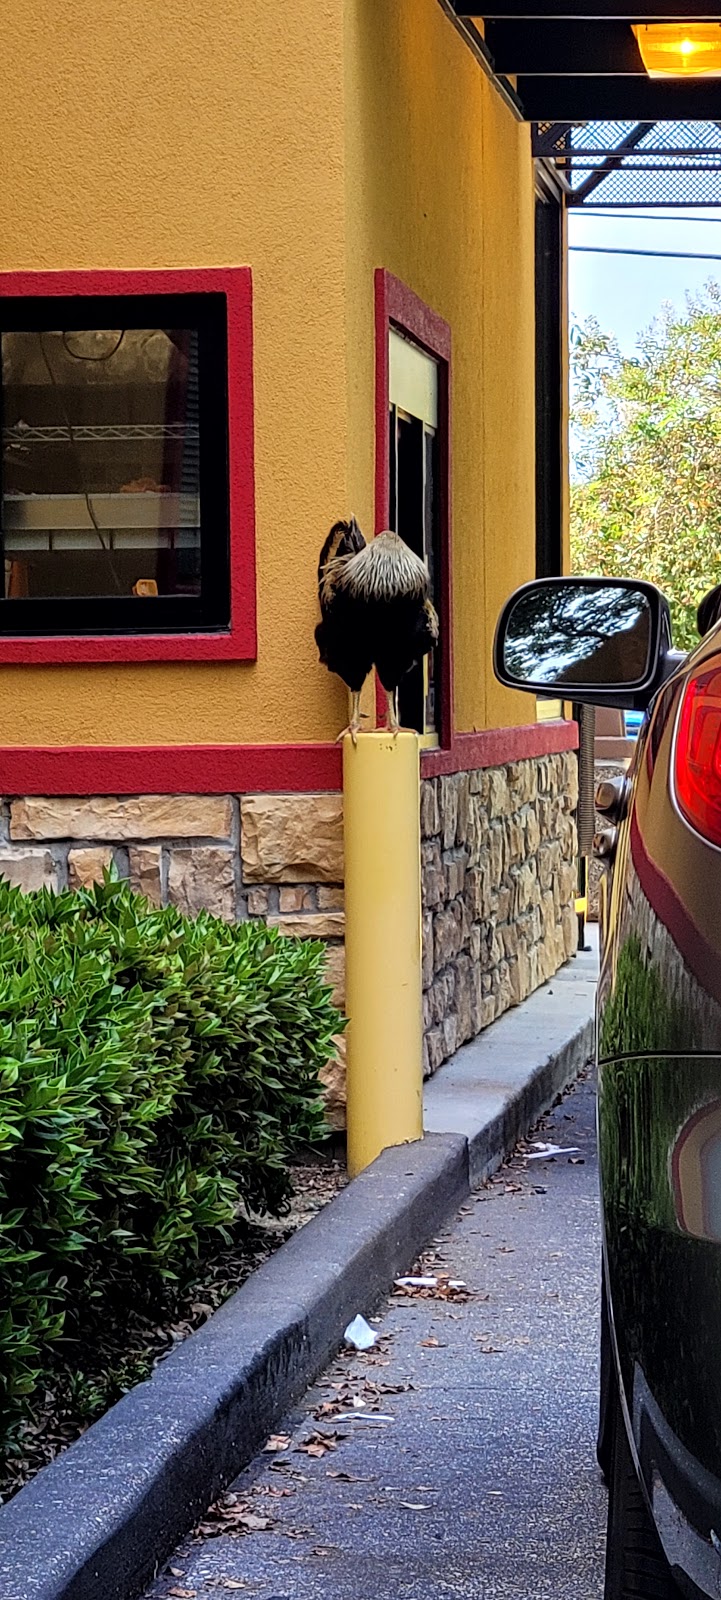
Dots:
pixel 396 306
pixel 239 641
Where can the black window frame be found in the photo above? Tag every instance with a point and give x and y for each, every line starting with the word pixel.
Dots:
pixel 550 463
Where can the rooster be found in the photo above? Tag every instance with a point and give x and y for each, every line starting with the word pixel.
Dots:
pixel 376 611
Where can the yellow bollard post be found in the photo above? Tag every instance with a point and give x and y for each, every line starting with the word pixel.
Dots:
pixel 381 781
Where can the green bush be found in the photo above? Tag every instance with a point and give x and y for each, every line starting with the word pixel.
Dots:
pixel 156 1073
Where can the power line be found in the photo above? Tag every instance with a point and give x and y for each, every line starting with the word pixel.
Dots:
pixel 615 250
pixel 629 216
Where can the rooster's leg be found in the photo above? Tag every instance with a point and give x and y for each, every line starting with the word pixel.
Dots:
pixel 392 703
pixel 355 719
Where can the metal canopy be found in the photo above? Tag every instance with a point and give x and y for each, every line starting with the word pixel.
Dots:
pixel 581 63
pixel 622 164
pixel 608 129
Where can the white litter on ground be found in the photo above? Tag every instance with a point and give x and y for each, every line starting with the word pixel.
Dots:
pixel 360 1334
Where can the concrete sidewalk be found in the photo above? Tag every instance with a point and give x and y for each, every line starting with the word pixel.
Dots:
pixel 491 1087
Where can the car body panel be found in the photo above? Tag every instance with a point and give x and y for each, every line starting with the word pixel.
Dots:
pixel 659 1118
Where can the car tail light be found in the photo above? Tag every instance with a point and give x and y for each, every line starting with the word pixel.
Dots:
pixel 698 754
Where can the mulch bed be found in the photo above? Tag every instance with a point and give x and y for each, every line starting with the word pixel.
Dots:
pixel 125 1352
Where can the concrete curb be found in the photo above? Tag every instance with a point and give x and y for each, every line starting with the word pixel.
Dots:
pixel 488 1145
pixel 97 1523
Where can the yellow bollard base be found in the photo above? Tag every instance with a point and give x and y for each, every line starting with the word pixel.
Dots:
pixel 381 783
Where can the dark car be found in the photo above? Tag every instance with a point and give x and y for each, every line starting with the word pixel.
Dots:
pixel 608 642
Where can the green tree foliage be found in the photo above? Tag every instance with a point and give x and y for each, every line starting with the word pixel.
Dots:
pixel 646 497
pixel 156 1074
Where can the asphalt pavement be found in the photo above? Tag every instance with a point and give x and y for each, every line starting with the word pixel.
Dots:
pixel 457 1457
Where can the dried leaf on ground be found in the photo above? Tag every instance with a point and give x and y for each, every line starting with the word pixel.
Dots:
pixel 277 1441
pixel 233 1515
pixel 319 1444
pixel 343 1401
pixel 432 1344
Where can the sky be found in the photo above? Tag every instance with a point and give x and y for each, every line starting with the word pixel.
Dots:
pixel 624 293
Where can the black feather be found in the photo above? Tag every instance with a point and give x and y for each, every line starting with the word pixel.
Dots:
pixel 342 646
pixel 404 633
pixel 344 539
pixel 375 607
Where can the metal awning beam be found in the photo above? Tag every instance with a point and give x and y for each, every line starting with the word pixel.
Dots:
pixel 555 10
pixel 618 99
pixel 545 49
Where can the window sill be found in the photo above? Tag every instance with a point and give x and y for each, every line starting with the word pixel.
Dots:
pixel 238 644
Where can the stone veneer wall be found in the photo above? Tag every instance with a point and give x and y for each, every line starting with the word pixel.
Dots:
pixel 497 860
pixel 499 877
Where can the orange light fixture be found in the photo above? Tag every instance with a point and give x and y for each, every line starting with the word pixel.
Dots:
pixel 680 49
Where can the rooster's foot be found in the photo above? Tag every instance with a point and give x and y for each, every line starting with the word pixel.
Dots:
pixel 354 728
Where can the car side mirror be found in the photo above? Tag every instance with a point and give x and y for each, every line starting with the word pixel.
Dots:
pixel 597 641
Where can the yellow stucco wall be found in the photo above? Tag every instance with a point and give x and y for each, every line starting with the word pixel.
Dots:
pixel 183 135
pixel 313 145
pixel 440 192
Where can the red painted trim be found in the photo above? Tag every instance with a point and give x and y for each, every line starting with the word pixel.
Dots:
pixel 397 306
pixel 239 643
pixel 382 505
pixel 170 769
pixel 496 746
pixel 244 768
pixel 671 911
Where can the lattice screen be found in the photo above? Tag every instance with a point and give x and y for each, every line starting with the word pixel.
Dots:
pixel 621 164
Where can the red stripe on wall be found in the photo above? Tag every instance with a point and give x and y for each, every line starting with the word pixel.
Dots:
pixel 496 746
pixel 666 904
pixel 170 769
pixel 245 769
